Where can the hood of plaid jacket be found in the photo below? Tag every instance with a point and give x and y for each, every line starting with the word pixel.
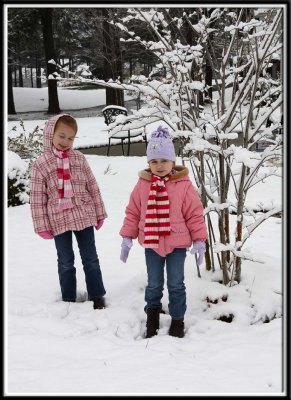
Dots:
pixel 179 172
pixel 48 133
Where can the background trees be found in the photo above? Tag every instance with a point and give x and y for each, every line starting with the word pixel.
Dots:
pixel 22 48
pixel 73 37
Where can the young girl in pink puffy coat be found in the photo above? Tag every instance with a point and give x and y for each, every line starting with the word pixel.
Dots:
pixel 166 215
pixel 65 199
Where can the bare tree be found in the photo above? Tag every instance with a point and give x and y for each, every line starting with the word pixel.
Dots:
pixel 213 156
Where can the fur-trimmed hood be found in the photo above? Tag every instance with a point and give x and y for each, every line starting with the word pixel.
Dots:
pixel 179 172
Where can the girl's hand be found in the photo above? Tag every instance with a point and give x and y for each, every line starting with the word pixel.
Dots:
pixel 198 247
pixel 99 224
pixel 125 247
pixel 46 235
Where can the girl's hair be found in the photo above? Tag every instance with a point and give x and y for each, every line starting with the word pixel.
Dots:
pixel 68 120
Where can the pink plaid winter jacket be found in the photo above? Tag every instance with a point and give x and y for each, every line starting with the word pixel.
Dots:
pixel 186 212
pixel 88 204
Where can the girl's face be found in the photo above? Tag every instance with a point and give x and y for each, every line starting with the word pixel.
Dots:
pixel 161 167
pixel 64 136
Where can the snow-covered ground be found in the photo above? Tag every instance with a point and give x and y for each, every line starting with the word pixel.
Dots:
pixel 28 99
pixel 53 347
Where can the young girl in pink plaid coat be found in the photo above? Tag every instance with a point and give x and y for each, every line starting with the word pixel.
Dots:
pixel 65 199
pixel 165 213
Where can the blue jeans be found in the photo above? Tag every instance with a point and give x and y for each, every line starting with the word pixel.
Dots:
pixel 175 281
pixel 90 261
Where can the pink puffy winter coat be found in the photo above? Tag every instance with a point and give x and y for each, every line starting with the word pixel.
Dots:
pixel 186 212
pixel 88 204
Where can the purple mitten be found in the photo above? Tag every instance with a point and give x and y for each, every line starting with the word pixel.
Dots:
pixel 125 247
pixel 46 235
pixel 198 247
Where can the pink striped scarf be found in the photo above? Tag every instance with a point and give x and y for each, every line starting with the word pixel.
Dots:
pixel 65 189
pixel 157 220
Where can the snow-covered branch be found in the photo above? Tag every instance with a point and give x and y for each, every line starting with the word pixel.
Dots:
pixel 250 228
pixel 245 255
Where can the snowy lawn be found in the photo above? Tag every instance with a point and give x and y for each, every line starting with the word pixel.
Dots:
pixel 33 99
pixel 70 349
pixel 56 347
pixel 91 131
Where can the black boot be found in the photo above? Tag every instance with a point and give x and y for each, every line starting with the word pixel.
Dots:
pixel 177 328
pixel 98 303
pixel 153 322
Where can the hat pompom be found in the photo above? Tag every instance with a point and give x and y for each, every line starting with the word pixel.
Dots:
pixel 161 133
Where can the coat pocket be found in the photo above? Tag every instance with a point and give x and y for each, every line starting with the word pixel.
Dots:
pixel 53 206
pixel 180 235
pixel 179 228
pixel 86 204
pixel 56 216
pixel 83 199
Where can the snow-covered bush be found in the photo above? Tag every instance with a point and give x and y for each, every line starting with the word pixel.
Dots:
pixel 28 145
pixel 18 183
pixel 238 49
pixel 23 149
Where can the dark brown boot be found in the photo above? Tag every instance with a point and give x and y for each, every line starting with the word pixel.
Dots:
pixel 98 303
pixel 177 328
pixel 153 322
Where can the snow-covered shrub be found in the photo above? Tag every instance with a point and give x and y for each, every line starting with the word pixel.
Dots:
pixel 28 145
pixel 237 50
pixel 23 148
pixel 18 183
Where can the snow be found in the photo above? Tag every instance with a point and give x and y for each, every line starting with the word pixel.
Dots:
pixel 54 347
pixel 15 164
pixel 118 107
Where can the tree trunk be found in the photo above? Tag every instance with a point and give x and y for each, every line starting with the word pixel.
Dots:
pixel 31 76
pixel 48 40
pixel 119 70
pixel 20 74
pixel 38 73
pixel 208 78
pixel 204 202
pixel 221 220
pixel 113 96
pixel 15 75
pixel 239 225
pixel 11 107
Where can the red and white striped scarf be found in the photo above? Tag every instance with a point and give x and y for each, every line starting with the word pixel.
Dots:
pixel 157 220
pixel 65 189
